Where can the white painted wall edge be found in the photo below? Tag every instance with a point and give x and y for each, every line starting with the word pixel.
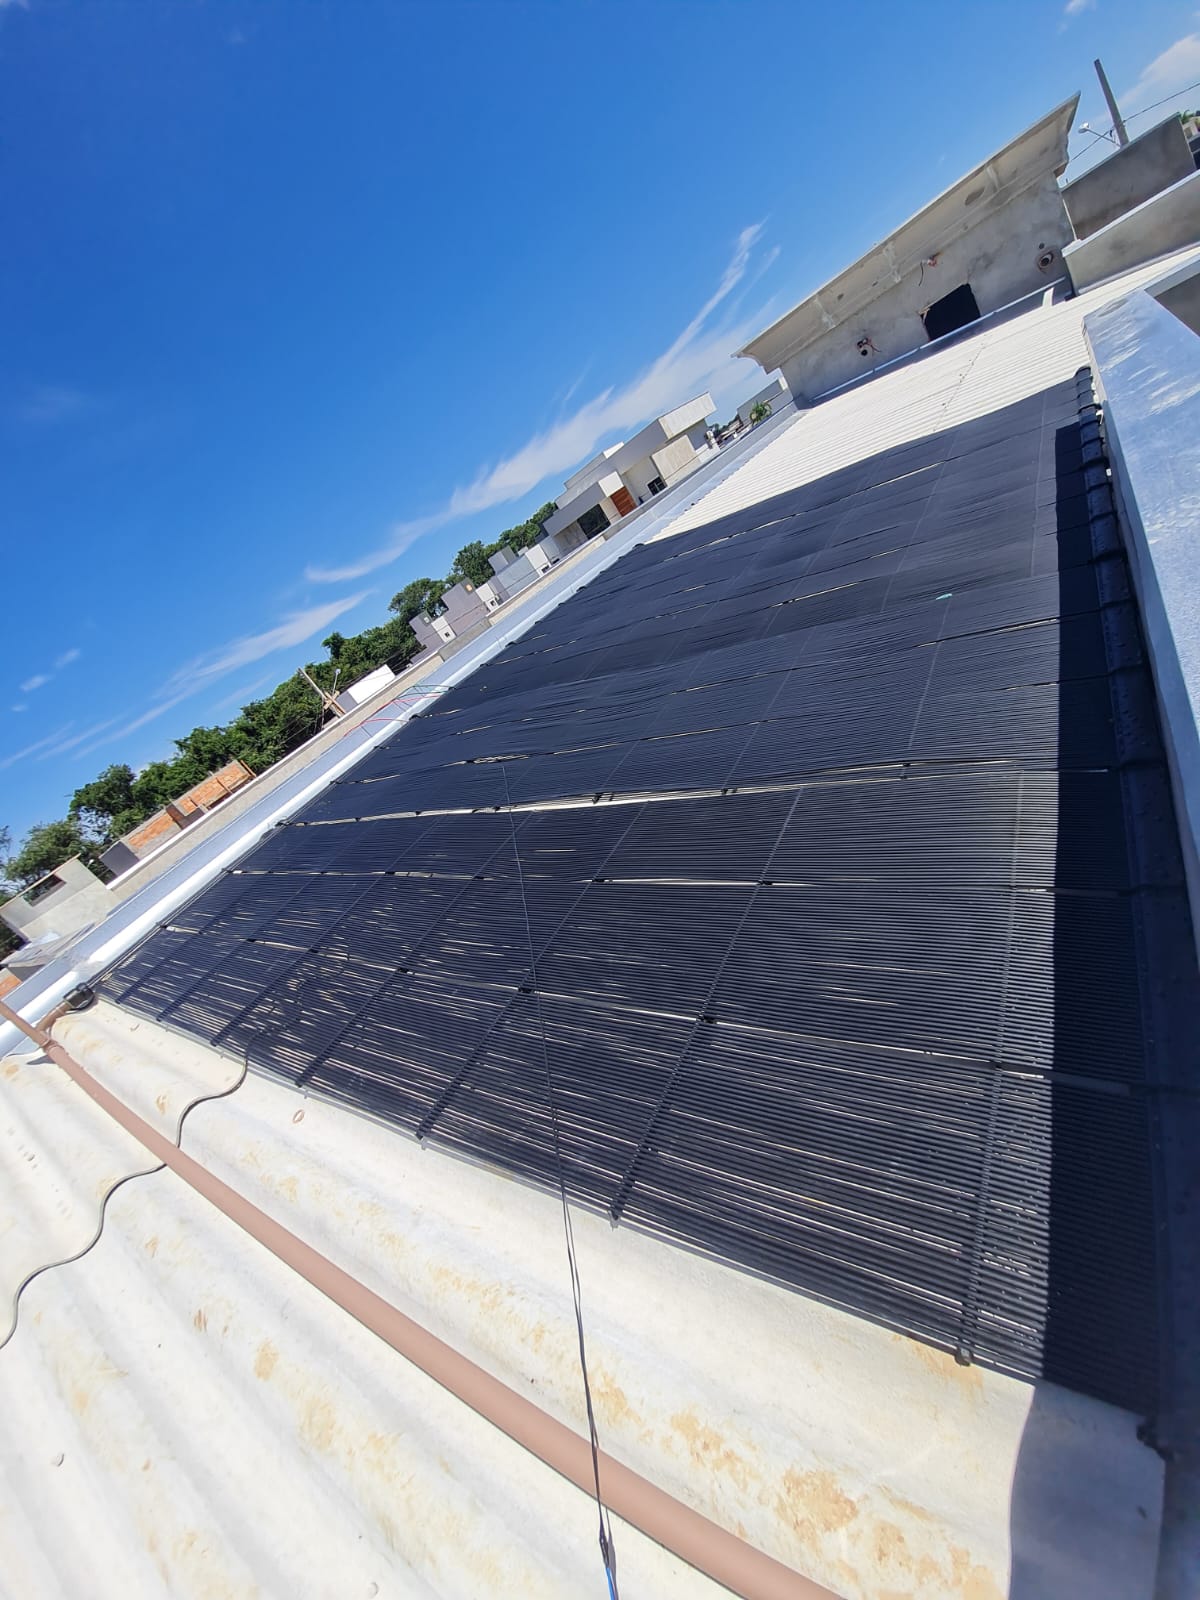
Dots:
pixel 1146 367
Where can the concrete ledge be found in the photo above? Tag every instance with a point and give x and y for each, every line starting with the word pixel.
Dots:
pixel 1145 166
pixel 1166 222
pixel 1146 364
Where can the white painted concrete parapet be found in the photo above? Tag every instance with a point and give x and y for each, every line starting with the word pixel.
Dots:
pixel 1146 366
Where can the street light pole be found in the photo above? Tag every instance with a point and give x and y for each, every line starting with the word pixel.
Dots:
pixel 1118 124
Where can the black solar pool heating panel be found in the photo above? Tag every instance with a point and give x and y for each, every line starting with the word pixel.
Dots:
pixel 811 860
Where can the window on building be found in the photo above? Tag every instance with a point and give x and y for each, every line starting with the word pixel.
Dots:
pixel 656 486
pixel 42 888
pixel 593 521
pixel 955 310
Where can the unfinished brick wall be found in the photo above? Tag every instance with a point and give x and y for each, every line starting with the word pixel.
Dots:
pixel 214 789
pixel 199 798
pixel 149 835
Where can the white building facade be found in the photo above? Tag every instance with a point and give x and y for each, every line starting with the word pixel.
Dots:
pixel 626 475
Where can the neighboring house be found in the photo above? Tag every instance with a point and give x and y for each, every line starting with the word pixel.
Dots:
pixel 607 488
pixel 464 606
pixel 516 570
pixel 626 475
pixel 64 901
pixel 178 814
pixel 468 604
pixel 354 694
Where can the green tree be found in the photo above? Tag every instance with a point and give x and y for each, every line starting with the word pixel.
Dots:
pixel 471 563
pixel 95 805
pixel 154 786
pixel 203 752
pixel 759 412
pixel 125 822
pixel 422 594
pixel 266 730
pixel 269 729
pixel 9 941
pixel 525 533
pixel 46 846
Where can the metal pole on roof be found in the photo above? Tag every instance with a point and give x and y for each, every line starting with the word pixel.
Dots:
pixel 1118 124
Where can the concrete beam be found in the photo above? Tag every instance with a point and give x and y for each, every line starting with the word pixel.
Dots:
pixel 1167 221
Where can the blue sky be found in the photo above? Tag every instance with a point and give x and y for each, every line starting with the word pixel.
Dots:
pixel 300 297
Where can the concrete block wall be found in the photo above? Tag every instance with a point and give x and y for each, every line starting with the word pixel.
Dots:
pixel 1167 221
pixel 65 900
pixel 1002 258
pixel 1147 165
pixel 200 797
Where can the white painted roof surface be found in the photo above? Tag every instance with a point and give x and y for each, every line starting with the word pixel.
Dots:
pixel 183 1416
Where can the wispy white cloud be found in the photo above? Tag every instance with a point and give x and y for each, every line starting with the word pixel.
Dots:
pixel 244 695
pixel 134 723
pixel 1075 8
pixel 204 670
pixel 564 400
pixel 16 5
pixel 40 679
pixel 21 707
pixel 1166 78
pixel 295 628
pixel 684 368
pixel 32 749
pixel 62 746
pixel 403 534
pixel 768 261
pixel 51 403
